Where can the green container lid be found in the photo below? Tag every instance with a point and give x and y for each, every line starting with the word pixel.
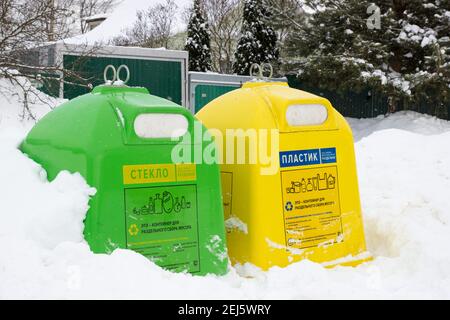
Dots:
pixel 115 137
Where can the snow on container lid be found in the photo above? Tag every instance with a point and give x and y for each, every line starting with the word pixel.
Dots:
pixel 306 115
pixel 158 125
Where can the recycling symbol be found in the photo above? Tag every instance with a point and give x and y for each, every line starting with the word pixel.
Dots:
pixel 133 230
pixel 289 206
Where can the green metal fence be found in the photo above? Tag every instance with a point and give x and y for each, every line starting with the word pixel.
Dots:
pixel 367 103
pixel 364 104
pixel 161 78
pixel 204 94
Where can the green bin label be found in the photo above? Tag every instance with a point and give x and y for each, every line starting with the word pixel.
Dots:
pixel 161 224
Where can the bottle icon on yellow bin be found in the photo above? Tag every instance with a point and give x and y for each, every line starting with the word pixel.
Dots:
pixel 304 185
pixel 295 187
pixel 310 186
pixel 331 182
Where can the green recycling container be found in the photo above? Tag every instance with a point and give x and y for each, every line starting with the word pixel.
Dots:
pixel 121 139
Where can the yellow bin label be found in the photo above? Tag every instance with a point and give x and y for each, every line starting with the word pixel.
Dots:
pixel 312 211
pixel 311 205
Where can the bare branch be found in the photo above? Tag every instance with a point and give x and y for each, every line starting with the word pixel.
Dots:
pixel 153 27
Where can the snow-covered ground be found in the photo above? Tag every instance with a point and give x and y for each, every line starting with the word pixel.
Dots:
pixel 403 164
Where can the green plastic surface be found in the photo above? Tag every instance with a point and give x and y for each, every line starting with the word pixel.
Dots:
pixel 178 224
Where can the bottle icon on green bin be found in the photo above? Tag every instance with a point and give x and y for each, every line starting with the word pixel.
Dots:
pixel 158 204
pixel 151 206
pixel 177 207
pixel 167 202
pixel 145 210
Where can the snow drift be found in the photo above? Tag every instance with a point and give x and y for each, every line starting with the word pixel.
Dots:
pixel 404 178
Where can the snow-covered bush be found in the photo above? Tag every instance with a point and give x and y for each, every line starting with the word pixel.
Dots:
pixel 258 42
pixel 198 42
pixel 408 57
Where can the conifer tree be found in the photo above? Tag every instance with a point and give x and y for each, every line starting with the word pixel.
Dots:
pixel 198 42
pixel 406 56
pixel 258 42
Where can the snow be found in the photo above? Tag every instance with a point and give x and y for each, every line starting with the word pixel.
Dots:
pixel 428 40
pixel 404 182
pixel 419 124
pixel 237 224
pixel 123 18
pixel 154 126
pixel 416 34
pixel 393 77
pixel 96 17
pixel 306 115
pixel 278 246
pixel 12 102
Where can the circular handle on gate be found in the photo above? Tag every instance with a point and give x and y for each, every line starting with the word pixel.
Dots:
pixel 105 74
pixel 258 68
pixel 264 68
pixel 128 73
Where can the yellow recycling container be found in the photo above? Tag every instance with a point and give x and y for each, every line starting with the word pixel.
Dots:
pixel 304 202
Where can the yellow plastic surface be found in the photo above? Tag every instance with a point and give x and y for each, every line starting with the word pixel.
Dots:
pixel 323 225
